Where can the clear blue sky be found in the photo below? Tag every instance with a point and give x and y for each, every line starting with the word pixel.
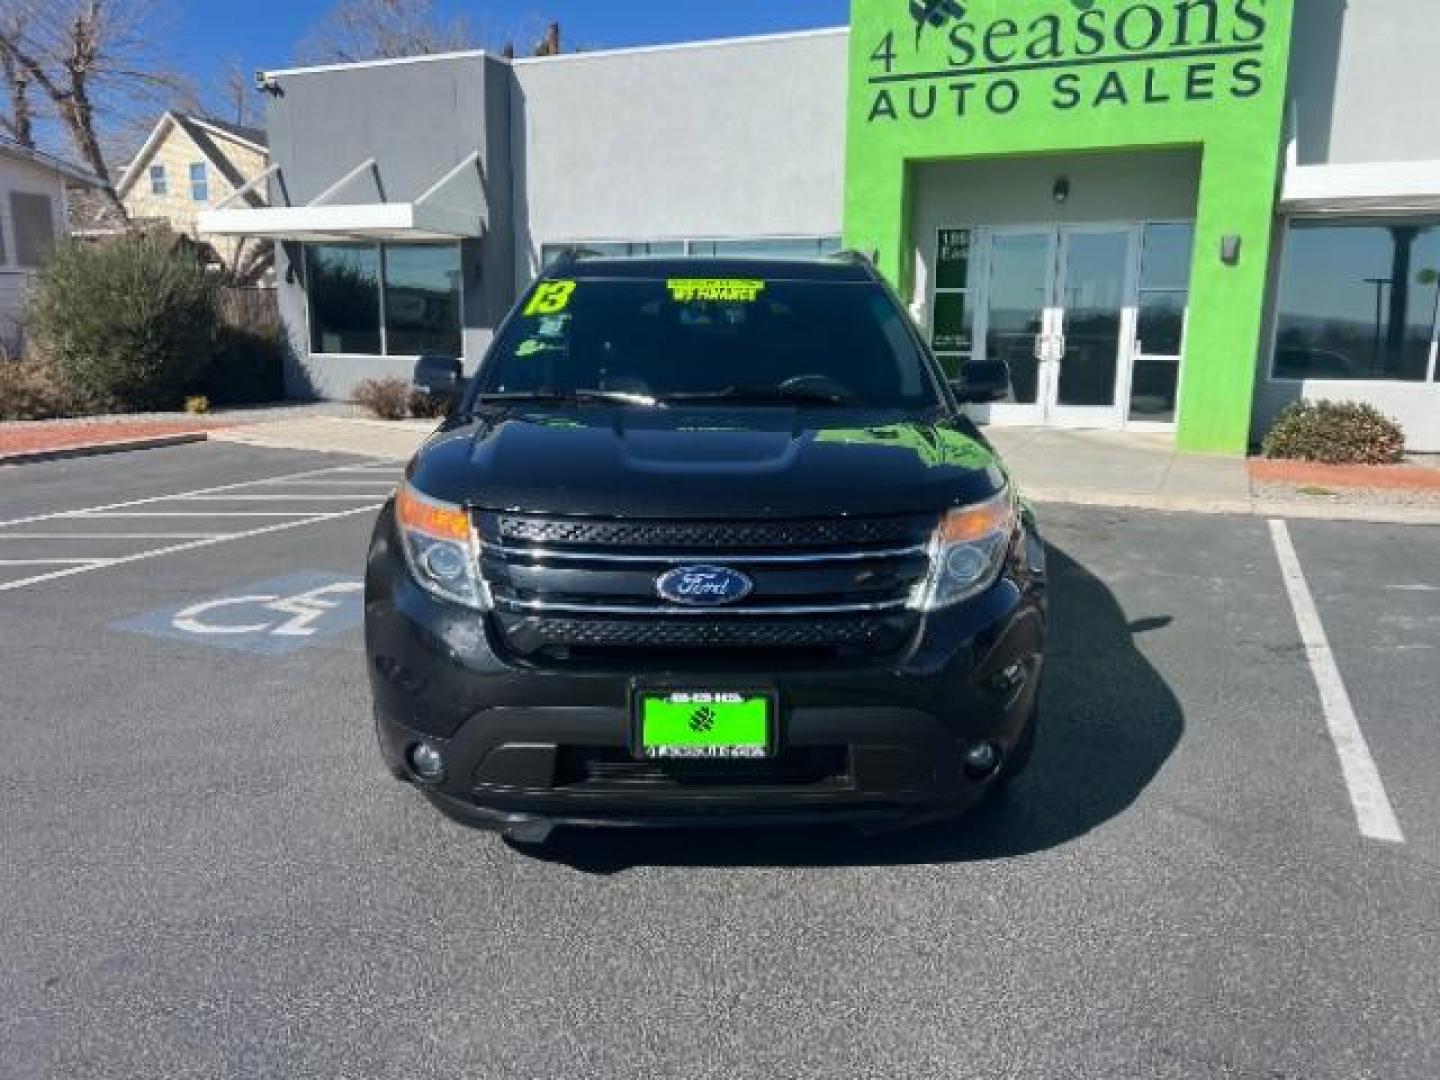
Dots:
pixel 265 33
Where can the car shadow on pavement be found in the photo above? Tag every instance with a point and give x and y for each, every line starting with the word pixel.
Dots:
pixel 1109 723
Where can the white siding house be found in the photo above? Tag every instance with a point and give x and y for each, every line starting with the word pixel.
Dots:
pixel 32 217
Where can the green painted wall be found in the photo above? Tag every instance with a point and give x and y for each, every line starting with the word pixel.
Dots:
pixel 935 80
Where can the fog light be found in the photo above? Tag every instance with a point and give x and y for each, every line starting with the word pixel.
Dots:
pixel 428 762
pixel 982 760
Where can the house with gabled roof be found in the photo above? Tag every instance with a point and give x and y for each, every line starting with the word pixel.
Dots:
pixel 190 164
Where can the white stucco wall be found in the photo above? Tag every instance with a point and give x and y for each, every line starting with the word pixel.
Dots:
pixel 740 138
pixel 1363 81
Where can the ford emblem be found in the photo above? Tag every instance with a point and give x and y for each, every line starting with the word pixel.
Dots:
pixel 704 586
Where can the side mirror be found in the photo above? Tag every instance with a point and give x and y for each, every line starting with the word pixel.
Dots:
pixel 982 382
pixel 440 377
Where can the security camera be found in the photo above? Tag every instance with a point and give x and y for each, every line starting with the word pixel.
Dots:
pixel 266 83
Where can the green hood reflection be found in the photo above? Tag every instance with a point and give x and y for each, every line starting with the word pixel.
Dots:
pixel 937 447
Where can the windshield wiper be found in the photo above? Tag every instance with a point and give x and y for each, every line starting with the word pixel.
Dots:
pixel 547 395
pixel 773 395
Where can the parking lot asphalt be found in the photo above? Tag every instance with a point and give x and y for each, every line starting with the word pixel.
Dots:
pixel 207 872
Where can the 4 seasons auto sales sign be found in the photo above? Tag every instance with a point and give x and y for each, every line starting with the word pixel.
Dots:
pixel 948 60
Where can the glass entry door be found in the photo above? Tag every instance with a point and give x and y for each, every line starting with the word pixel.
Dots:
pixel 1056 304
pixel 1092 324
pixel 1018 316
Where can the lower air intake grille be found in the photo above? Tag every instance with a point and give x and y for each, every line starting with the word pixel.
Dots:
pixel 870 634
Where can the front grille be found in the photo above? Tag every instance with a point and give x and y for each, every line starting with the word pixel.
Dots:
pixel 715 537
pixel 840 587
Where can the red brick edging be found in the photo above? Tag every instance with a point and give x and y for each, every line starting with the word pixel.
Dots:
pixel 47 437
pixel 1305 473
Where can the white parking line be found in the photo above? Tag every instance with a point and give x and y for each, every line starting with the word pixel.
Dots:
pixel 124 515
pixel 176 549
pixel 389 482
pixel 50 562
pixel 97 510
pixel 1373 810
pixel 112 536
pixel 280 498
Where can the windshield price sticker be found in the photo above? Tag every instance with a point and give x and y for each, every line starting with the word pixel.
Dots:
pixel 723 290
pixel 550 298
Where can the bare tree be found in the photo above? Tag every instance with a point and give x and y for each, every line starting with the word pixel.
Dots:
pixel 548 45
pixel 381 29
pixel 19 121
pixel 233 96
pixel 94 65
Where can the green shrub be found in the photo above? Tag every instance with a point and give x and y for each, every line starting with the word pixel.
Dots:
pixel 127 325
pixel 388 399
pixel 1335 433
pixel 28 391
pixel 425 406
pixel 248 367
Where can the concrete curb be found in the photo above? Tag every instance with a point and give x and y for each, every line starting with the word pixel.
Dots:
pixel 118 446
pixel 1260 508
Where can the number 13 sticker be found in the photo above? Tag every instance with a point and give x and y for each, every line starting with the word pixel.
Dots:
pixel 551 298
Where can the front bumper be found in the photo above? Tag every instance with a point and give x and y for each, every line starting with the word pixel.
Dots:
pixel 878 741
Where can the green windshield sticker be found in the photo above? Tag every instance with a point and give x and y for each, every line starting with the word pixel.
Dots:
pixel 534 347
pixel 724 290
pixel 551 298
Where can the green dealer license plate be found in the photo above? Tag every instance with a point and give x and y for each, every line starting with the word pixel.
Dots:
pixel 704 725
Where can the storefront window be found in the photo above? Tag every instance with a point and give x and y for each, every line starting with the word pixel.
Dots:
pixel 422 300
pixel 808 247
pixel 1167 251
pixel 344 284
pixel 613 249
pixel 416 313
pixel 1358 301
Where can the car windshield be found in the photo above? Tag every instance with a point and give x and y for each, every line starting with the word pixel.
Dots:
pixel 673 340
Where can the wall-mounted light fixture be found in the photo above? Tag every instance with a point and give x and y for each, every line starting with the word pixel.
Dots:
pixel 1230 249
pixel 1061 191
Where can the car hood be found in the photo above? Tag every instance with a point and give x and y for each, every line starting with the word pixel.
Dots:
pixel 684 462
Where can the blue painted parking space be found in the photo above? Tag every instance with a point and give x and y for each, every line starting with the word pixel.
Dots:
pixel 271 618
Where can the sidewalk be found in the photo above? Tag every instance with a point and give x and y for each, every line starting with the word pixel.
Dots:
pixel 397 440
pixel 1123 469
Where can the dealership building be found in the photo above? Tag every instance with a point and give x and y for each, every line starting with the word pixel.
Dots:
pixel 1165 215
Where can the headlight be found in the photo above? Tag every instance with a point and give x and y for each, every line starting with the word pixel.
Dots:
pixel 440 548
pixel 967 553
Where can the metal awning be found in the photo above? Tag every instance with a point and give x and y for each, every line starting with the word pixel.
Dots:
pixel 321 220
pixel 1378 188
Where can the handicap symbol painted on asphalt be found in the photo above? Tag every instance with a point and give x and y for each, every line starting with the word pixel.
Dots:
pixel 272 618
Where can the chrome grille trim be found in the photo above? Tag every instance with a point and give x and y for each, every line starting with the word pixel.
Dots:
pixel 683 558
pixel 510 604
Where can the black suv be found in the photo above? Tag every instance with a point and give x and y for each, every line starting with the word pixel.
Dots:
pixel 707 541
